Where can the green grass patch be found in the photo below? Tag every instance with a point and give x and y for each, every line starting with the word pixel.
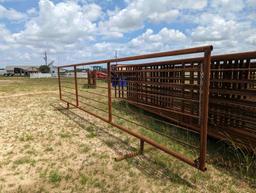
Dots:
pixel 54 176
pixel 84 148
pixel 65 135
pixel 25 160
pixel 48 149
pixel 83 179
pixel 25 84
pixel 91 135
pixel 26 137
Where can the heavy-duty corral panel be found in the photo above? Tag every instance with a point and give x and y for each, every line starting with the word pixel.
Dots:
pixel 160 86
pixel 177 89
pixel 233 98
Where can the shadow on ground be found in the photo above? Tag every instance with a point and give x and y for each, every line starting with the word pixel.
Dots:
pixel 225 156
pixel 144 163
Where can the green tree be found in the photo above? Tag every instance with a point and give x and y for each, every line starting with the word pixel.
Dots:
pixel 44 69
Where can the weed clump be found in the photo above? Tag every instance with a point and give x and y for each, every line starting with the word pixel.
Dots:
pixel 54 176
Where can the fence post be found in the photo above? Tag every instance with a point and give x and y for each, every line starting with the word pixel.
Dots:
pixel 109 93
pixel 204 109
pixel 59 83
pixel 75 76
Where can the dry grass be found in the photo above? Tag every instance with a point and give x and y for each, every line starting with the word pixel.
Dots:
pixel 46 148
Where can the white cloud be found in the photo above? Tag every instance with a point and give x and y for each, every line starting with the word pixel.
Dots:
pixel 251 3
pixel 123 21
pixel 11 14
pixel 102 47
pixel 92 12
pixel 9 50
pixel 228 5
pixel 127 19
pixel 59 24
pixel 223 33
pixel 164 39
pixel 214 27
pixel 164 35
pixel 252 38
pixel 137 12
pixel 59 28
pixel 190 4
pixel 32 12
pixel 6 36
pixel 165 16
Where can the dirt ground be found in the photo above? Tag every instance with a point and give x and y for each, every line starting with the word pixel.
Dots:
pixel 47 148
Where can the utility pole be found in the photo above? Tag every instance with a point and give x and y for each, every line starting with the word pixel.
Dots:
pixel 45 58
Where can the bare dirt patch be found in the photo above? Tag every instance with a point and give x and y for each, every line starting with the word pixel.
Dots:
pixel 2 82
pixel 28 94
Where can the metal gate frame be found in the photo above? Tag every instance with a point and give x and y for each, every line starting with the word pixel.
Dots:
pixel 199 163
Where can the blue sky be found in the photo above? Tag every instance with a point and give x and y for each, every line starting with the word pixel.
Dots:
pixel 73 31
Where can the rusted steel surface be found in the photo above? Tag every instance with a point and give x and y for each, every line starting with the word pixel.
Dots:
pixel 233 97
pixel 170 89
pixel 176 90
pixel 109 93
pixel 91 79
pixel 160 86
pixel 146 56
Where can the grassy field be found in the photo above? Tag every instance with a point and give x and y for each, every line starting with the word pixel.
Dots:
pixel 47 148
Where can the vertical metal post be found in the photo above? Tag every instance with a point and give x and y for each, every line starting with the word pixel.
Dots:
pixel 141 146
pixel 59 83
pixel 109 94
pixel 89 79
pixel 76 89
pixel 204 109
pixel 94 78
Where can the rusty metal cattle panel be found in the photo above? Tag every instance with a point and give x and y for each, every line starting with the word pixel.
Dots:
pixel 159 86
pixel 179 88
pixel 170 88
pixel 232 110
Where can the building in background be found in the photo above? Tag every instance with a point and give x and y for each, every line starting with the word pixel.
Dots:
pixel 20 70
pixel 30 71
pixel 2 71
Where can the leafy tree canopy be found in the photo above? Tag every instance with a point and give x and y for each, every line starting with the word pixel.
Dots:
pixel 44 69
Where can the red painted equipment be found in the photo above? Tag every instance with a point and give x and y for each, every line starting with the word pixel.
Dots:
pixel 101 75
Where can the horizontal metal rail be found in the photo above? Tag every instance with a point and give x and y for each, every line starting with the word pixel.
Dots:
pixel 87 104
pixel 146 118
pixel 161 108
pixel 167 96
pixel 146 56
pixel 93 93
pixel 88 98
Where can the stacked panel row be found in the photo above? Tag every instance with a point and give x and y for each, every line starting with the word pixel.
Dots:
pixel 172 90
